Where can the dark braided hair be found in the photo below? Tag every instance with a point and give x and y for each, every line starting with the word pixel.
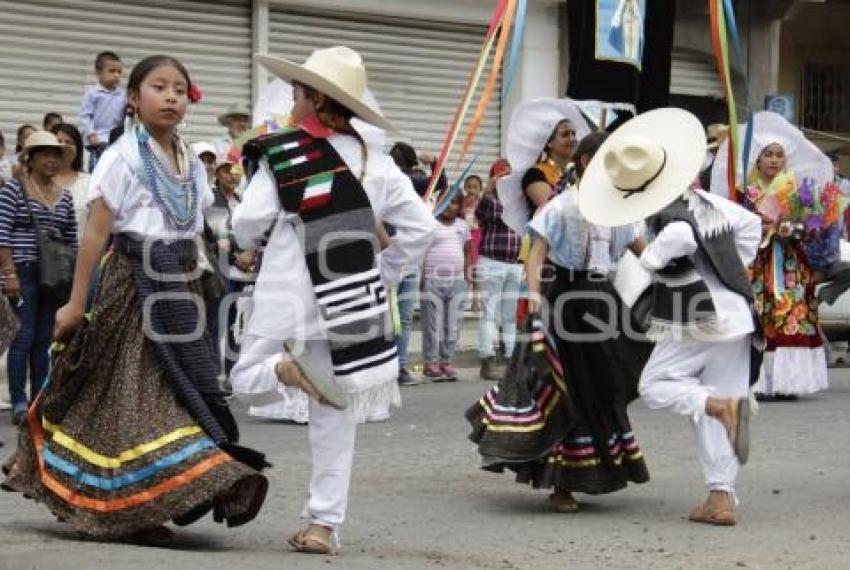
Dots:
pixel 144 68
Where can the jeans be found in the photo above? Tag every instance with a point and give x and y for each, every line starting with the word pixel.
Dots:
pixel 442 309
pixel 406 293
pixel 498 285
pixel 28 352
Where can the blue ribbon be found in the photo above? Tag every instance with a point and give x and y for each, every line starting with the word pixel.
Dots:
pixel 745 153
pixel 516 43
pixel 729 11
pixel 454 188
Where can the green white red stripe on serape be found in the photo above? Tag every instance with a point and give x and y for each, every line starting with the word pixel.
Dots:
pixel 313 155
pixel 290 145
pixel 317 193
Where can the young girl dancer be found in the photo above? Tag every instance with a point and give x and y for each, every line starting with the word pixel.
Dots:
pixel 131 431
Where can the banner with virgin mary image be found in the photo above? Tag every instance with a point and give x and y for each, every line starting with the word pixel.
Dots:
pixel 621 52
pixel 620 31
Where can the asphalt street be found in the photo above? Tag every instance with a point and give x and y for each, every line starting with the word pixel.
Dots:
pixel 418 500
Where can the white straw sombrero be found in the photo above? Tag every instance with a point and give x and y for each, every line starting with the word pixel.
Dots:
pixel 642 167
pixel 337 72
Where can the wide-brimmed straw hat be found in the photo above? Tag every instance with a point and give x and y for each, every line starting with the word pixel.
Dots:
pixel 642 167
pixel 234 110
pixel 801 155
pixel 337 72
pixel 531 127
pixel 716 134
pixel 45 139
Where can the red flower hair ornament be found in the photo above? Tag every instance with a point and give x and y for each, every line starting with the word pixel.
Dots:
pixel 195 94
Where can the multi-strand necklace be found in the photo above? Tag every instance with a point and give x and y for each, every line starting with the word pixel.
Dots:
pixel 176 196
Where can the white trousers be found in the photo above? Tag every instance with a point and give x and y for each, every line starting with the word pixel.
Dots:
pixel 680 376
pixel 331 431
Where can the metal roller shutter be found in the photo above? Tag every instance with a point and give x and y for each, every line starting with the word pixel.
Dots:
pixel 694 73
pixel 47 50
pixel 417 69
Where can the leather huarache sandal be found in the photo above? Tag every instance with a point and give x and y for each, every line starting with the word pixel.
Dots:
pixel 722 517
pixel 314 539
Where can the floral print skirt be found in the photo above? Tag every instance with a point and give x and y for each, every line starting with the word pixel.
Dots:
pixel 784 288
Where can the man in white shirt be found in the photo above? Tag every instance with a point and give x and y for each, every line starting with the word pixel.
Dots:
pixel 701 316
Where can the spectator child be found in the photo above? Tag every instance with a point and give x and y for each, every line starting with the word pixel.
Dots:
pixel 50 120
pixel 444 277
pixel 104 105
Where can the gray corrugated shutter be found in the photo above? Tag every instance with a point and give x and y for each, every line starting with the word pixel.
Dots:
pixel 47 50
pixel 417 69
pixel 694 73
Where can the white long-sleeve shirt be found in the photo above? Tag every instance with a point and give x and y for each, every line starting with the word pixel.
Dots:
pixel 677 240
pixel 284 302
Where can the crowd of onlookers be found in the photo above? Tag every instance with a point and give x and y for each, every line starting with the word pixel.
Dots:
pixel 472 264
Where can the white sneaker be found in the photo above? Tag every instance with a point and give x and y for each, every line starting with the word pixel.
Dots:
pixel 4 405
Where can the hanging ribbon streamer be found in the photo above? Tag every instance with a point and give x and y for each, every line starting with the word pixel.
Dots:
pixel 719 40
pixel 448 196
pixel 731 23
pixel 745 153
pixel 516 44
pixel 729 13
pixel 466 100
pixel 724 26
pixel 487 93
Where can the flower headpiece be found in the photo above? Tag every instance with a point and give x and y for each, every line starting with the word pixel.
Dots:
pixel 195 94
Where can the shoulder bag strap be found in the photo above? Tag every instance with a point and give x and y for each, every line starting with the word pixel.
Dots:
pixel 33 219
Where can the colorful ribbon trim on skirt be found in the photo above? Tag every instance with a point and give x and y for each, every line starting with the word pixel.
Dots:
pixel 48 458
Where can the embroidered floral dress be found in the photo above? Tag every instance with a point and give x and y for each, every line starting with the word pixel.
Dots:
pixel 784 286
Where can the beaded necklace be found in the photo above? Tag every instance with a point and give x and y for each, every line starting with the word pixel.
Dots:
pixel 176 196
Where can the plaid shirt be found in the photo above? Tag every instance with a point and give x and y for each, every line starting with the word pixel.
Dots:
pixel 498 241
